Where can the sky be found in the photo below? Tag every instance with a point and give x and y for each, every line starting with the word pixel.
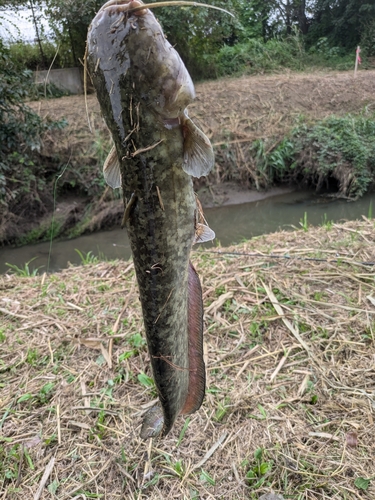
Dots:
pixel 18 26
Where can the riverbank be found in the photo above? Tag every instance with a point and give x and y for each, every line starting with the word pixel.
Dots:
pixel 247 119
pixel 289 343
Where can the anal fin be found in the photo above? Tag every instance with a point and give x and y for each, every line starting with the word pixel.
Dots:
pixel 197 374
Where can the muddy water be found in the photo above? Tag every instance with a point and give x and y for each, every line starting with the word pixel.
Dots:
pixel 232 224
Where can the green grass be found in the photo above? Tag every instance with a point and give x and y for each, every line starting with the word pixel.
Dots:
pixel 24 271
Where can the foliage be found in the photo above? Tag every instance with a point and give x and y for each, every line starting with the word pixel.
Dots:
pixel 87 257
pixel 368 37
pixel 337 153
pixel 70 22
pixel 256 56
pixel 342 22
pixel 206 31
pixel 258 472
pixel 24 271
pixel 207 39
pixel 273 163
pixel 21 180
pixel 27 55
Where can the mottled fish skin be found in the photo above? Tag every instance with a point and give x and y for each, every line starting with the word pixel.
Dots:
pixel 143 88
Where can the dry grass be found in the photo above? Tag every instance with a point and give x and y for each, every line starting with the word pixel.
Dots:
pixel 290 367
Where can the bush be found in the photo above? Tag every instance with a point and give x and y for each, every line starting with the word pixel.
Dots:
pixel 256 56
pixel 337 153
pixel 22 180
pixel 27 55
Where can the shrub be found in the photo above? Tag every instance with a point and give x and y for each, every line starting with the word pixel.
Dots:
pixel 27 55
pixel 277 54
pixel 22 180
pixel 336 153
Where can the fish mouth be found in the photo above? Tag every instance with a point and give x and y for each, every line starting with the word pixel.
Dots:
pixel 134 6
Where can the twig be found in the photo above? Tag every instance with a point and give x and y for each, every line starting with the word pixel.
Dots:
pixel 279 366
pixel 70 493
pixel 286 322
pixel 211 451
pixel 45 477
pixel 58 423
pixel 5 311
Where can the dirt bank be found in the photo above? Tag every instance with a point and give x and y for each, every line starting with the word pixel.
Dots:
pixel 290 349
pixel 236 109
pixel 232 112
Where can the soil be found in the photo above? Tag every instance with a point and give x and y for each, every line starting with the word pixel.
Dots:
pixel 233 112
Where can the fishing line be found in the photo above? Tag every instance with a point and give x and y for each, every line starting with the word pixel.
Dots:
pixel 58 177
pixel 291 257
pixel 168 3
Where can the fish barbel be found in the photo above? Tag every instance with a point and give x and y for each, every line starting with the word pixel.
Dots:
pixel 143 89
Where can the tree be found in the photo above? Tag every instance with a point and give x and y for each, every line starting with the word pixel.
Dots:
pixel 342 22
pixel 35 7
pixel 70 21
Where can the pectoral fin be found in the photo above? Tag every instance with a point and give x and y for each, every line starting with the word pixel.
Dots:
pixel 203 233
pixel 111 170
pixel 198 153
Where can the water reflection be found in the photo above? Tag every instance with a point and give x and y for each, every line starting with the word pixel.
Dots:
pixel 232 224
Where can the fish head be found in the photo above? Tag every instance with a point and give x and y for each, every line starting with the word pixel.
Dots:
pixel 153 69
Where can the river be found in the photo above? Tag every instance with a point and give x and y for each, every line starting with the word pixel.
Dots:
pixel 232 224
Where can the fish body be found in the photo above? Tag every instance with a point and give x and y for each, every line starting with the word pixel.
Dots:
pixel 143 89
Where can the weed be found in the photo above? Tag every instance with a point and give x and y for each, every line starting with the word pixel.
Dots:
pixel 262 416
pixel 136 341
pixel 219 291
pixel 178 468
pixel 100 428
pixel 303 222
pixel 206 478
pixel 53 487
pixel 257 474
pixel 146 381
pixel 46 392
pixel 87 258
pixel 32 357
pixel 256 331
pixel 9 460
pixel 182 433
pixel 24 271
pixel 222 410
pixel 327 224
